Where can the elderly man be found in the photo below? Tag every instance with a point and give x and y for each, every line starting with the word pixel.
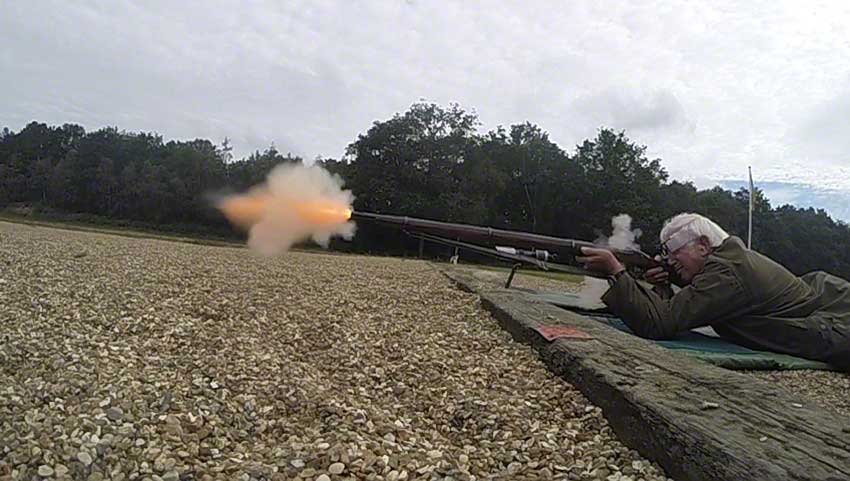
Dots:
pixel 746 297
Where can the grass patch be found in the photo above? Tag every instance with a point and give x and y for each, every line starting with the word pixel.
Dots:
pixel 73 223
pixel 134 232
pixel 552 275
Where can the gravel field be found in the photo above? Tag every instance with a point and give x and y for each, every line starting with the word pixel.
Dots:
pixel 144 359
pixel 524 281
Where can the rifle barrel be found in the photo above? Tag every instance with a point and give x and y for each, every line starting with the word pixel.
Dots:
pixel 565 248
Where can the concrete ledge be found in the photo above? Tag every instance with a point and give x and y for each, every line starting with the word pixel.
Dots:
pixel 699 422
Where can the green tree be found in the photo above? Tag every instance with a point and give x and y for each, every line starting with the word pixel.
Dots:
pixel 519 179
pixel 62 183
pixel 429 162
pixel 408 163
pixel 254 169
pixel 618 179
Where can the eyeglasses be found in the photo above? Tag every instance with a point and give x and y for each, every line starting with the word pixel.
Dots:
pixel 665 251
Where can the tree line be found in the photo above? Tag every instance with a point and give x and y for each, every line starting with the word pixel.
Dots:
pixel 430 161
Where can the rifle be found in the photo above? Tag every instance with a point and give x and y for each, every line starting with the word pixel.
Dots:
pixel 542 251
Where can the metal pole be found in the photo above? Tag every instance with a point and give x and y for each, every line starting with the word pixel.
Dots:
pixel 511 276
pixel 750 222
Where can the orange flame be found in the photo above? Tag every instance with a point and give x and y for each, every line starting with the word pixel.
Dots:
pixel 248 209
pixel 245 210
pixel 321 212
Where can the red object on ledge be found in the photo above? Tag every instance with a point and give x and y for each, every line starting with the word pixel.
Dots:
pixel 561 332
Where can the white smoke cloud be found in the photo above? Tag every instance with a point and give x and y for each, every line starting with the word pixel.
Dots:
pixel 295 203
pixel 622 237
pixel 592 290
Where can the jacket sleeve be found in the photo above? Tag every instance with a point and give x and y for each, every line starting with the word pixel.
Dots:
pixel 715 293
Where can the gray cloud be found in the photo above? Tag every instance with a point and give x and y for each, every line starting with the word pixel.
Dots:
pixel 633 110
pixel 824 134
pixel 709 86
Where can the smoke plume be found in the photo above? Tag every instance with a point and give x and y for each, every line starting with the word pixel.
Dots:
pixel 295 203
pixel 592 290
pixel 622 237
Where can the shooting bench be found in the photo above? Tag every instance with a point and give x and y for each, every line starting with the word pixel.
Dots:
pixel 698 421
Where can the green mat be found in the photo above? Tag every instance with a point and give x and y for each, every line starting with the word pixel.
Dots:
pixel 707 348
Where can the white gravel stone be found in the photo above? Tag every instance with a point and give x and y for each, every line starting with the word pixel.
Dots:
pixel 84 458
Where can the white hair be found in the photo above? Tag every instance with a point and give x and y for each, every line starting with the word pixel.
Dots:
pixel 687 227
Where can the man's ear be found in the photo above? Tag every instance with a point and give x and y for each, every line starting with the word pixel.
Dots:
pixel 704 245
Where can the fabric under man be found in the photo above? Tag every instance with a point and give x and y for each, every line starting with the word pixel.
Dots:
pixel 746 297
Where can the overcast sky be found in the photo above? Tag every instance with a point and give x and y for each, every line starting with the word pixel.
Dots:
pixel 709 86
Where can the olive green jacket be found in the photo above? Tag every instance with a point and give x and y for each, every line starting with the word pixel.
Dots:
pixel 750 300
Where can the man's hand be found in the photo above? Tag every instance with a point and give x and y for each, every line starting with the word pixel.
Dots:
pixel 657 276
pixel 602 261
